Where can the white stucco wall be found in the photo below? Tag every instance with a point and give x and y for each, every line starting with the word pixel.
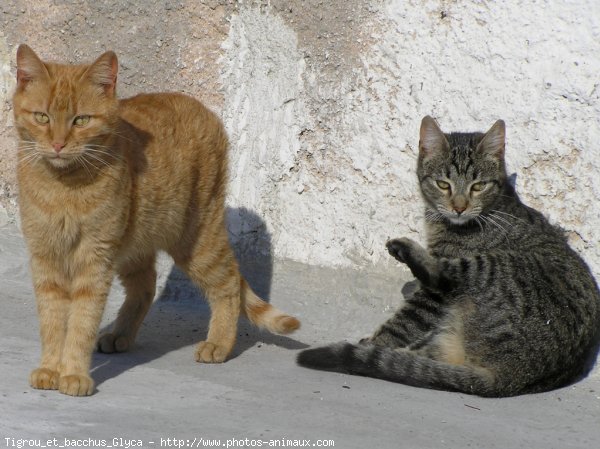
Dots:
pixel 332 195
pixel 322 102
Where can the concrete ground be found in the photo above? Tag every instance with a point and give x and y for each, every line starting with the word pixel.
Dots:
pixel 158 396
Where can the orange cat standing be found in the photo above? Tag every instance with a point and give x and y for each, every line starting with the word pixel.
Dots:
pixel 103 185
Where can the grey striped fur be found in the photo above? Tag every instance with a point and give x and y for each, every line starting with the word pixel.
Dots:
pixel 505 306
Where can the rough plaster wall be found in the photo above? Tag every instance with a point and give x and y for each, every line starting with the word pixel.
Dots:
pixel 336 123
pixel 322 101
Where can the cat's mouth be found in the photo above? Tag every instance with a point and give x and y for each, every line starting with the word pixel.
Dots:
pixel 459 219
pixel 59 160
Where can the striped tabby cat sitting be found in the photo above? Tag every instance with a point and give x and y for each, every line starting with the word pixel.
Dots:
pixel 505 306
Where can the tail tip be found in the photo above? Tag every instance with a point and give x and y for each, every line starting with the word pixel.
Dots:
pixel 318 358
pixel 287 324
pixel 306 358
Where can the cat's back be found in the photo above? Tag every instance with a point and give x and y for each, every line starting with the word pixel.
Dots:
pixel 173 140
pixel 176 150
pixel 168 114
pixel 145 108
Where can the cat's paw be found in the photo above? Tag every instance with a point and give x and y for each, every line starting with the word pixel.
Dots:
pixel 44 379
pixel 366 340
pixel 208 352
pixel 400 248
pixel 76 385
pixel 109 343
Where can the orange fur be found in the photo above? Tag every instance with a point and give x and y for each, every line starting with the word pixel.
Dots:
pixel 104 185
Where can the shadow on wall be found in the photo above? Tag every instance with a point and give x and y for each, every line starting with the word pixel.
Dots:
pixel 180 316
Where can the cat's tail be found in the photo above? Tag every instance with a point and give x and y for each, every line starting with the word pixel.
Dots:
pixel 264 315
pixel 399 366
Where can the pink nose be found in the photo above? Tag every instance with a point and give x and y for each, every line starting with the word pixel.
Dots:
pixel 58 146
pixel 459 209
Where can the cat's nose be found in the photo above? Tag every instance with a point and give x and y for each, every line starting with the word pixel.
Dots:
pixel 459 209
pixel 58 146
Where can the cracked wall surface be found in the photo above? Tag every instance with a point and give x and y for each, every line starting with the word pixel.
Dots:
pixel 322 101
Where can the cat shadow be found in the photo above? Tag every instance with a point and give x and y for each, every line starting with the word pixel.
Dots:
pixel 180 315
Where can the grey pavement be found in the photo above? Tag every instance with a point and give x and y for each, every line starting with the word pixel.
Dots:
pixel 157 395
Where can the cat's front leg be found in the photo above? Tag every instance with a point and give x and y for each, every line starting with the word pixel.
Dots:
pixel 423 265
pixel 399 249
pixel 89 290
pixel 52 298
pixel 409 252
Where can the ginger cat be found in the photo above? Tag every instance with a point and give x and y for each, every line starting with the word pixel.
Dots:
pixel 104 184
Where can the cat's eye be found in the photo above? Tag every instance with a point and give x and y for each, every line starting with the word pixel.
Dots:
pixel 478 186
pixel 41 118
pixel 443 185
pixel 81 120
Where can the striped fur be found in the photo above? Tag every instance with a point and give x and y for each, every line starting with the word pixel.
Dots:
pixel 505 306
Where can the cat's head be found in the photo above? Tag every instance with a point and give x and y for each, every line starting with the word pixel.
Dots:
pixel 63 112
pixel 461 174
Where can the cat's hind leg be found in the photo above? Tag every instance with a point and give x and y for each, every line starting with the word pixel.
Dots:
pixel 412 324
pixel 215 270
pixel 139 280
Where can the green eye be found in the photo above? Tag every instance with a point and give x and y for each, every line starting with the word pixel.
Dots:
pixel 81 120
pixel 478 186
pixel 41 118
pixel 443 185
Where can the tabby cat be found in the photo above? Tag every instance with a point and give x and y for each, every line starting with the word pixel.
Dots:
pixel 505 306
pixel 104 184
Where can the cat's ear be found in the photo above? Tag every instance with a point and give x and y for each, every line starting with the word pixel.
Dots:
pixel 103 72
pixel 493 141
pixel 29 67
pixel 431 138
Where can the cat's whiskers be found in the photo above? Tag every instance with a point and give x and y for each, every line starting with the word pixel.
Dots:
pixel 81 160
pixel 99 147
pixel 27 143
pixel 433 216
pixel 101 151
pixel 502 219
pixel 28 156
pixel 30 161
pixel 84 159
pixel 477 220
pixel 490 220
pixel 121 135
pixel 30 147
pixel 26 151
pixel 507 214
pixel 91 155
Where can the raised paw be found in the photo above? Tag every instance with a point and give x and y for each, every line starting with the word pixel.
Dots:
pixel 44 379
pixel 76 385
pixel 400 248
pixel 109 343
pixel 208 352
pixel 366 340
